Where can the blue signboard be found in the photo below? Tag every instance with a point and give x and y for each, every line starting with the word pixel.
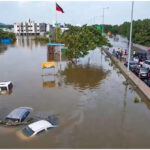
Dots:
pixel 55 44
pixel 5 40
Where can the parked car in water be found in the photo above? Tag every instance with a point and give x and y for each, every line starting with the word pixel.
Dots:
pixel 132 65
pixel 5 87
pixel 142 73
pixel 146 64
pixel 18 114
pixel 35 128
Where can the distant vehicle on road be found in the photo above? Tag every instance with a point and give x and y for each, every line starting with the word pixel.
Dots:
pixel 5 86
pixel 142 73
pixel 110 36
pixel 139 60
pixel 140 57
pixel 35 128
pixel 132 65
pixel 146 64
pixel 18 114
pixel 116 39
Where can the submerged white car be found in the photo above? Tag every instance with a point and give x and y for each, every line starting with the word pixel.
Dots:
pixel 5 87
pixel 35 129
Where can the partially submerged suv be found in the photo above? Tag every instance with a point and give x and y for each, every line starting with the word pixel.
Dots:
pixel 18 114
pixel 5 86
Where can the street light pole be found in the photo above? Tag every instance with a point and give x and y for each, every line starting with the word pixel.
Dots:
pixel 129 55
pixel 103 19
pixel 103 22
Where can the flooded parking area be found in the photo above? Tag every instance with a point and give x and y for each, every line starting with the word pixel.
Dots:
pixel 94 107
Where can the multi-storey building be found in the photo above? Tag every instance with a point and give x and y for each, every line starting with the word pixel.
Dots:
pixel 30 28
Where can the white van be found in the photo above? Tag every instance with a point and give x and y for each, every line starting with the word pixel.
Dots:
pixel 6 86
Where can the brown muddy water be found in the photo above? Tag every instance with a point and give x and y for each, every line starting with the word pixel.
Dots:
pixel 94 108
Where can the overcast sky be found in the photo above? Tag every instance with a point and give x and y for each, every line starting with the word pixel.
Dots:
pixel 75 12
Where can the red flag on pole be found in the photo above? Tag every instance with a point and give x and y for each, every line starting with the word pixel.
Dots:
pixel 58 8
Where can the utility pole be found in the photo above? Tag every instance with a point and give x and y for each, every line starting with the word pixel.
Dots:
pixel 103 19
pixel 129 54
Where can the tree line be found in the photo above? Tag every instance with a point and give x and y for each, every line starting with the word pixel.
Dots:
pixel 4 34
pixel 141 31
pixel 6 26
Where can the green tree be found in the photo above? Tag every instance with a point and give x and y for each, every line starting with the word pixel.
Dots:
pixel 11 35
pixel 141 31
pixel 79 40
pixel 57 35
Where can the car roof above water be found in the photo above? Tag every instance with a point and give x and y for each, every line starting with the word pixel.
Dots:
pixel 39 125
pixel 132 61
pixel 4 83
pixel 18 112
pixel 147 60
pixel 144 70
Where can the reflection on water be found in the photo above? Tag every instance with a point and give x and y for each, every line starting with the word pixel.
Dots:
pixel 6 92
pixel 8 130
pixel 49 84
pixel 55 57
pixel 86 74
pixel 3 48
pixel 49 81
pixel 27 42
pixel 83 77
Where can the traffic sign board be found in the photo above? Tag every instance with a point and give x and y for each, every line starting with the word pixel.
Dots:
pixel 99 27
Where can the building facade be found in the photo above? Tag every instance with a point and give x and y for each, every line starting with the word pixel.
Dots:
pixel 30 28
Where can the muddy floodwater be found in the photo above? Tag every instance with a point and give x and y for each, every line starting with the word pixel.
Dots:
pixel 94 107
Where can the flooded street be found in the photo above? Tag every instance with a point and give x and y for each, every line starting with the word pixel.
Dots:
pixel 94 107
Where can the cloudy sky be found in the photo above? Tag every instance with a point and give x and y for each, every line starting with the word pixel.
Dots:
pixel 79 12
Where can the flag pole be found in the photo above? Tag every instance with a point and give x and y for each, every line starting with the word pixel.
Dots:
pixel 56 12
pixel 56 24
